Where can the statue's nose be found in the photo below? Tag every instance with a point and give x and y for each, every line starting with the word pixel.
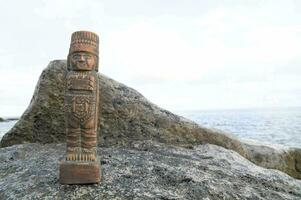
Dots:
pixel 81 58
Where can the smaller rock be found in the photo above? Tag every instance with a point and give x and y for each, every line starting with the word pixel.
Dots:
pixel 12 119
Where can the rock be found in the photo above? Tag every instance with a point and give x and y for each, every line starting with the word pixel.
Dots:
pixel 284 159
pixel 8 119
pixel 126 116
pixel 12 119
pixel 144 170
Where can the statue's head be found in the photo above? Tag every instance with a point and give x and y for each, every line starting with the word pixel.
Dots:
pixel 83 52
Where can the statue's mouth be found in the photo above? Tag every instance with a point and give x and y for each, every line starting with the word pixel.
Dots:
pixel 80 65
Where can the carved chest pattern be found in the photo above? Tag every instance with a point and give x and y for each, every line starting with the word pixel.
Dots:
pixel 82 107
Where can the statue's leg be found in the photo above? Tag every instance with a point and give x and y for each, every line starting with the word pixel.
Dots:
pixel 73 141
pixel 89 140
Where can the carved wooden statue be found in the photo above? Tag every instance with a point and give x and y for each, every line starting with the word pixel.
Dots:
pixel 81 164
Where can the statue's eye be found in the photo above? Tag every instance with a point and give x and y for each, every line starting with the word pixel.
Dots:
pixel 86 56
pixel 76 56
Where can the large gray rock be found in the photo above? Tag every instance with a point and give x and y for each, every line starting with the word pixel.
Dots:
pixel 144 170
pixel 126 116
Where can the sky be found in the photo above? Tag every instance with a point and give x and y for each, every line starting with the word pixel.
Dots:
pixel 180 54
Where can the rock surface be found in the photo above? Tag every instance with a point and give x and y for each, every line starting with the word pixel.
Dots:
pixel 144 170
pixel 126 116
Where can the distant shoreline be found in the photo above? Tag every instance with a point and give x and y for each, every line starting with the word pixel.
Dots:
pixel 8 119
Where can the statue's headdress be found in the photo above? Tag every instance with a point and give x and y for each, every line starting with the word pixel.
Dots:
pixel 84 41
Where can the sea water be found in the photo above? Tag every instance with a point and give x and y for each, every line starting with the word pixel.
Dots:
pixel 277 126
pixel 6 126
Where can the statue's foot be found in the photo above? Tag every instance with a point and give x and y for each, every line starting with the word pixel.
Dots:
pixel 92 157
pixel 81 154
pixel 71 156
pixel 88 154
pixel 72 153
pixel 87 157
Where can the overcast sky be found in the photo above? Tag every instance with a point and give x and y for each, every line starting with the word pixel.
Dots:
pixel 181 55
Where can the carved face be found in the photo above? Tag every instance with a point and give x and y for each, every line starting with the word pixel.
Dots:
pixel 83 61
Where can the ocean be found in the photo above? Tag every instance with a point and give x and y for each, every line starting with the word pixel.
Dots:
pixel 6 126
pixel 273 126
pixel 276 126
